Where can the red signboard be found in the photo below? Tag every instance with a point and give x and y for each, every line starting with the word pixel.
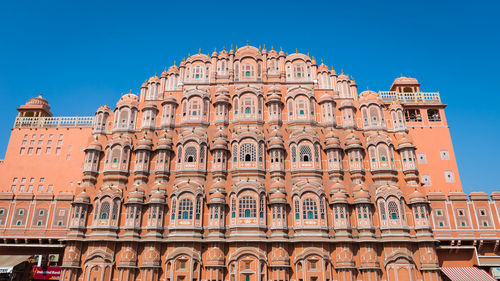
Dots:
pixel 46 272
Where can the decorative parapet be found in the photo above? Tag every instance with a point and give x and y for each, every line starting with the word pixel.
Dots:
pixel 416 97
pixel 54 122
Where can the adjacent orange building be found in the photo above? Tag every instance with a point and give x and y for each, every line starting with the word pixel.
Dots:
pixel 246 165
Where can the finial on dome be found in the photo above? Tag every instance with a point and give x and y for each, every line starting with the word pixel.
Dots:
pixel 342 71
pixel 223 48
pixel 189 55
pixel 215 49
pixel 281 49
pixel 174 62
pixel 367 88
pixel 272 48
pixel 264 46
pixel 401 74
pixel 321 61
pixel 296 51
pixel 199 51
pixel 247 43
pixel 231 46
pixel 236 47
pixel 130 91
pixel 165 69
pixel 260 49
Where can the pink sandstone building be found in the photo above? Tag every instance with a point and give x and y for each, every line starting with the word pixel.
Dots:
pixel 245 165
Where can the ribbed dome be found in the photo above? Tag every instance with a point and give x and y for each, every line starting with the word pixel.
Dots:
pixel 128 99
pixel 352 141
pixel 82 197
pixel 339 197
pixel 325 98
pixel 279 257
pixel 417 197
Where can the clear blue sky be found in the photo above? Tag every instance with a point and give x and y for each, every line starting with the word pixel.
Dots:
pixel 81 55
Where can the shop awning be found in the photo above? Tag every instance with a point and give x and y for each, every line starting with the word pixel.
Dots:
pixel 7 262
pixel 466 274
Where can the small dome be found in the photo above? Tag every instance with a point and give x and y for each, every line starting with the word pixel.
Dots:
pixel 279 257
pixel 395 105
pixel 94 145
pixel 405 141
pixel 37 101
pixel 145 143
pixel 128 99
pixel 164 73
pixel 277 185
pixel 150 105
pixel 83 197
pixel 369 95
pixel 325 98
pixel 136 195
pixel 165 142
pixel 170 99
pixel 353 142
pixel 154 79
pixel 215 257
pixel 174 69
pixel 217 197
pixel 323 68
pixel 331 140
pixel 277 197
pixel 103 108
pixel 157 196
pixel 362 196
pixel 405 81
pixel 342 76
pixel 339 197
pixel 346 103
pixel 417 197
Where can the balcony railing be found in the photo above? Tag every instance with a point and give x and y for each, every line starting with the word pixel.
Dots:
pixel 54 122
pixel 416 97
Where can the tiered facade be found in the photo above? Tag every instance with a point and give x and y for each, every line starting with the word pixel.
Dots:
pixel 243 165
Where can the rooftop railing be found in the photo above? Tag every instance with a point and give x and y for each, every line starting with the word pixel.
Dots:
pixel 54 122
pixel 416 97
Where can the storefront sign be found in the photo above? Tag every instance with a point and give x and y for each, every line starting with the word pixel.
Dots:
pixel 46 272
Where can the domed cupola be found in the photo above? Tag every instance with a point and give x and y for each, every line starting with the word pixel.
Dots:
pixel 354 150
pixel 215 257
pixel 279 258
pixel 78 221
pixel 276 148
pixel 220 152
pixel 221 104
pixel 406 150
pixel 128 100
pixel 274 104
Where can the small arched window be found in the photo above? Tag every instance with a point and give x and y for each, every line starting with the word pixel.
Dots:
pixel 105 208
pixel 309 209
pixel 393 210
pixel 190 154
pixel 247 207
pixel 185 209
pixel 382 209
pixel 247 152
pixel 294 154
pixel 305 153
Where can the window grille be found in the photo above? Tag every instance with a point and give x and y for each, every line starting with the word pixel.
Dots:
pixel 309 209
pixel 185 209
pixel 247 207
pixel 305 153
pixel 190 154
pixel 393 210
pixel 247 152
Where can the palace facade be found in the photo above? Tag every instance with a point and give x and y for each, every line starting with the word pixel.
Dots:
pixel 247 165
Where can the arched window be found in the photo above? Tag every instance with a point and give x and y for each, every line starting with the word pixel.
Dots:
pixel 190 154
pixel 105 208
pixel 309 209
pixel 115 210
pixel 305 153
pixel 247 152
pixel 294 154
pixel 393 210
pixel 247 207
pixel 297 210
pixel 174 205
pixel 382 209
pixel 235 153
pixel 233 207
pixel 185 209
pixel 179 154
